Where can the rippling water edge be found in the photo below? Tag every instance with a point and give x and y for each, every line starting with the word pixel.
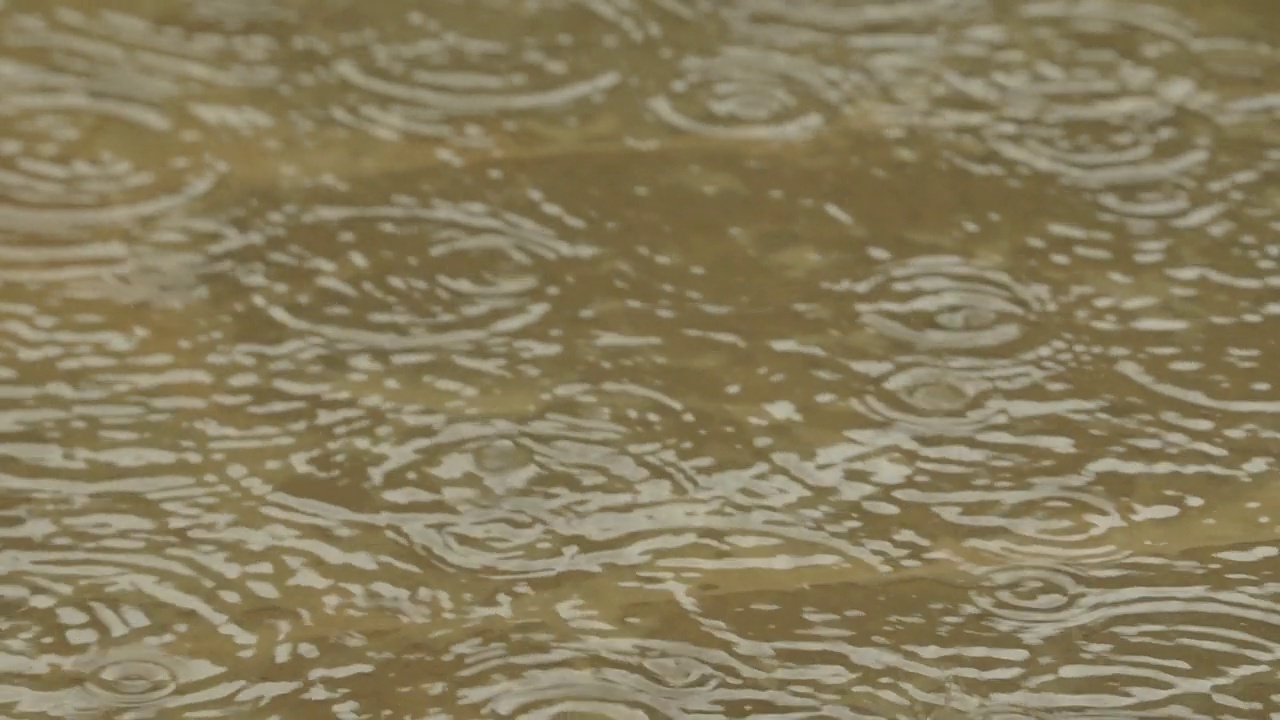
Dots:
pixel 640 359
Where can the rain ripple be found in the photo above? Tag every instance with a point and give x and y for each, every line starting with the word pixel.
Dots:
pixel 890 50
pixel 622 678
pixel 113 627
pixel 1087 106
pixel 592 478
pixel 138 680
pixel 1191 343
pixel 1053 521
pixel 751 93
pixel 943 302
pixel 1129 640
pixel 72 161
pixel 428 276
pixel 121 54
pixel 432 76
pixel 978 356
pixel 542 690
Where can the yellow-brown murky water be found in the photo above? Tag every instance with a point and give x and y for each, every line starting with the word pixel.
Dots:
pixel 630 359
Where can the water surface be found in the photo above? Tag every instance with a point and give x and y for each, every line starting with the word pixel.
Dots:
pixel 640 359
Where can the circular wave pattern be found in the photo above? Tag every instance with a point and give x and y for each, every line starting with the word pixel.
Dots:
pixel 930 397
pixel 456 275
pixel 519 551
pixel 148 582
pixel 450 85
pixel 133 677
pixel 894 48
pixel 621 678
pixel 982 361
pixel 1087 107
pixel 72 162
pixel 754 94
pixel 124 55
pixel 502 495
pixel 1182 643
pixel 1048 524
pixel 943 302
pixel 962 396
pixel 442 464
pixel 1203 348
pixel 1032 597
pixel 158 264
pixel 114 652
pixel 597 477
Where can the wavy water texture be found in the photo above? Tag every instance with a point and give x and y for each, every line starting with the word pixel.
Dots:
pixel 507 488
pixel 644 20
pixel 447 76
pixel 639 359
pixel 97 618
pixel 1137 633
pixel 118 53
pixel 968 355
pixel 946 303
pixel 439 275
pixel 1074 97
pixel 62 174
pixel 748 93
pixel 1191 342
pixel 891 48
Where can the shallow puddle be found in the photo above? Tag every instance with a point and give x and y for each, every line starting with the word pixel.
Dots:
pixel 640 359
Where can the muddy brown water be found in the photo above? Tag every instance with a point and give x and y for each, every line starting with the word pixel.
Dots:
pixel 640 359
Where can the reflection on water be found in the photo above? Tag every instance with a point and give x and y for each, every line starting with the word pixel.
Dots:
pixel 639 359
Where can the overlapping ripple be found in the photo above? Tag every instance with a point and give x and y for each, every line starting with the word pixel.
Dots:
pixel 567 488
pixel 425 276
pixel 943 303
pixel 1192 342
pixel 638 358
pixel 1126 639
pixel 1075 96
pixel 463 75
pixel 891 48
pixel 968 350
pixel 751 93
pixel 106 51
pixel 72 161
pixel 95 620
